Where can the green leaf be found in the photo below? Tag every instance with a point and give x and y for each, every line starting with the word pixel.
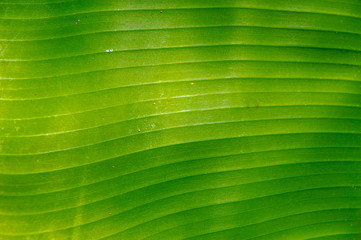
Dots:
pixel 180 119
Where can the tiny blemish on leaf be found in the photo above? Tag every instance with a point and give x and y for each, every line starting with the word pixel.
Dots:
pixel 161 11
pixel 192 83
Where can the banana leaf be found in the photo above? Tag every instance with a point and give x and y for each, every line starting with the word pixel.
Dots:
pixel 180 119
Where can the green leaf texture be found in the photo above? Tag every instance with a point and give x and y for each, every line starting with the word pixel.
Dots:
pixel 180 119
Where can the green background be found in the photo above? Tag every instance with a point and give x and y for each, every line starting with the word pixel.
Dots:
pixel 180 119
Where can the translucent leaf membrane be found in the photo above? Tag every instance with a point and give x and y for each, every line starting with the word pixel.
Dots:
pixel 143 119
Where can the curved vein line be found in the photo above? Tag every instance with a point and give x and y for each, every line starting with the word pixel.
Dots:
pixel 292 11
pixel 99 220
pixel 222 216
pixel 334 235
pixel 116 157
pixel 189 27
pixel 213 171
pixel 35 3
pixel 186 177
pixel 181 80
pixel 176 113
pixel 284 230
pixel 194 62
pixel 157 99
pixel 305 47
pixel 160 130
pixel 183 193
pixel 182 96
